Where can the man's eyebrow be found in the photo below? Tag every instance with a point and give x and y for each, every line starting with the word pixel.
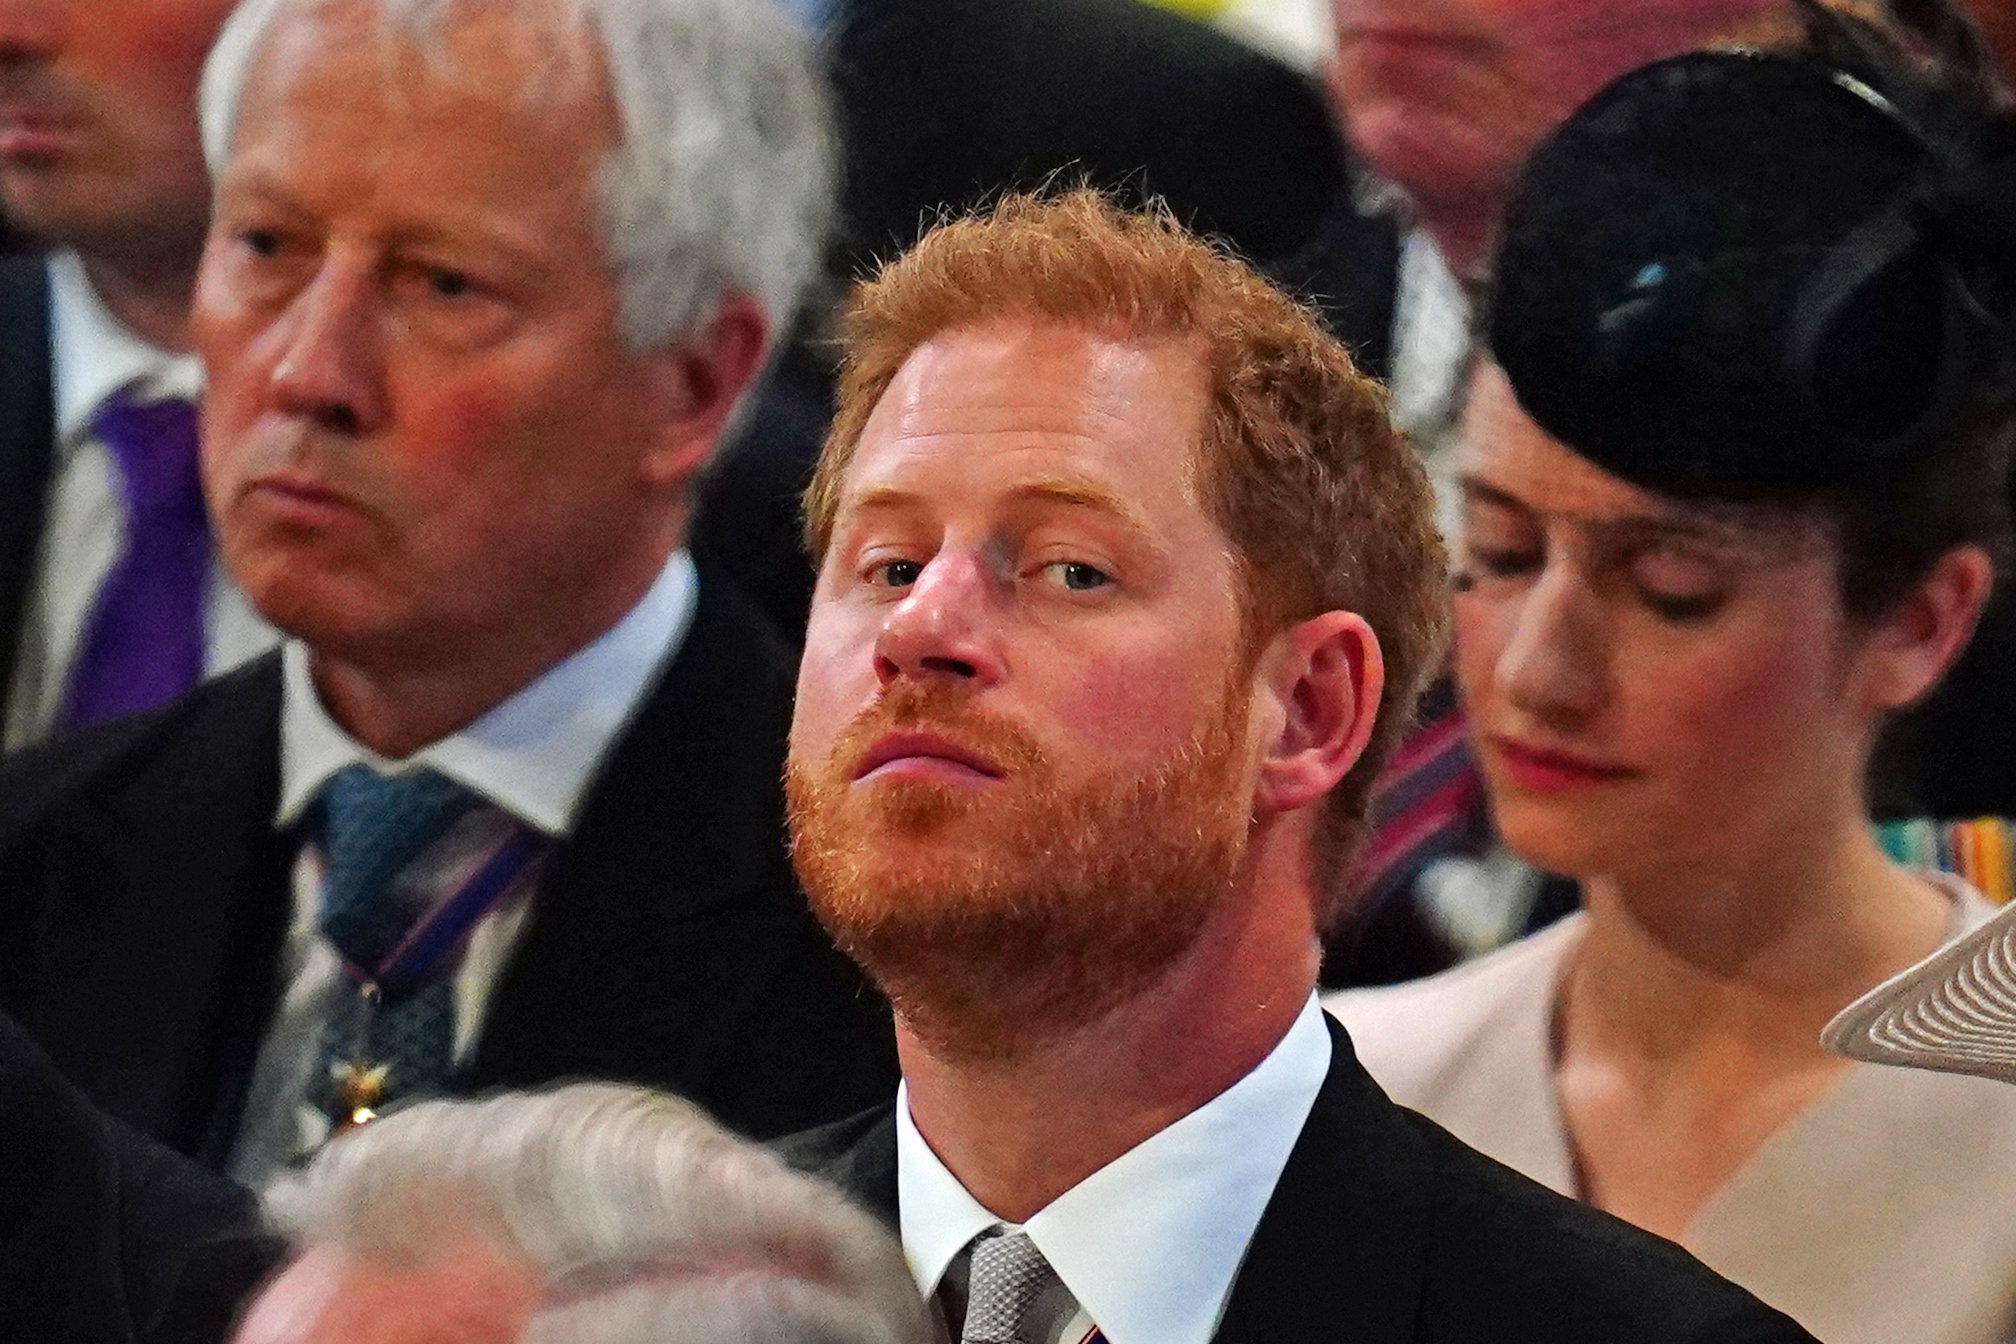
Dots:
pixel 520 249
pixel 1077 493
pixel 1069 492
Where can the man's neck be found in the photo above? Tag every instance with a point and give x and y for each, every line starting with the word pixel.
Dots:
pixel 149 298
pixel 1018 1133
pixel 396 697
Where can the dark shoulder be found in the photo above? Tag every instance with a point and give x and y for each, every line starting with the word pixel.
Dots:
pixel 1507 1249
pixel 35 781
pixel 817 1151
pixel 105 1234
pixel 858 1155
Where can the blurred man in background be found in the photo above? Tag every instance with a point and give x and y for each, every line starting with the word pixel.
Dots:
pixel 109 597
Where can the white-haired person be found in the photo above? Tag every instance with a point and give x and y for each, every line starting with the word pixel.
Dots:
pixel 1735 489
pixel 485 284
pixel 590 1214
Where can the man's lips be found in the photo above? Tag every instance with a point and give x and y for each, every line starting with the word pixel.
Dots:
pixel 299 494
pixel 1547 770
pixel 922 752
pixel 25 130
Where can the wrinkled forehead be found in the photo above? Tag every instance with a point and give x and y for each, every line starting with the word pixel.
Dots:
pixel 1012 400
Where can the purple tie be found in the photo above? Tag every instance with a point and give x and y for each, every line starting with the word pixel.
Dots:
pixel 143 642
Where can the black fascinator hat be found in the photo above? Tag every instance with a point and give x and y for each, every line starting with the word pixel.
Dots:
pixel 1745 273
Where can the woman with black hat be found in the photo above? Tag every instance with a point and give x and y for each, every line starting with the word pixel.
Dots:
pixel 1735 489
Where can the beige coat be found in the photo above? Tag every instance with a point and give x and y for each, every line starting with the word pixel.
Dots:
pixel 1882 1213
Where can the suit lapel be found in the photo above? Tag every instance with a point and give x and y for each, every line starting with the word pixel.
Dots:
pixel 27 440
pixel 1341 1250
pixel 657 934
pixel 168 900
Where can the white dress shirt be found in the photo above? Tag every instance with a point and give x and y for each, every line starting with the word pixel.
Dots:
pixel 94 357
pixel 1433 355
pixel 1150 1243
pixel 534 757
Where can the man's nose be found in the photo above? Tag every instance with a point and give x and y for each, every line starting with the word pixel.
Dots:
pixel 944 626
pixel 330 367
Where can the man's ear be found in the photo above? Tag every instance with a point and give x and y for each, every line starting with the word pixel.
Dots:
pixel 696 384
pixel 1913 645
pixel 1326 676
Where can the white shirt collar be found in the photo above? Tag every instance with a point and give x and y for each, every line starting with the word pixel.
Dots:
pixel 94 356
pixel 1150 1243
pixel 535 754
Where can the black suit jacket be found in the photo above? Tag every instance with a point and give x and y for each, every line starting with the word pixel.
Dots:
pixel 27 441
pixel 106 1238
pixel 144 894
pixel 1385 1230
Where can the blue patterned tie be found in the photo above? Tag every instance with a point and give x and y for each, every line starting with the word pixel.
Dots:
pixel 143 643
pixel 374 829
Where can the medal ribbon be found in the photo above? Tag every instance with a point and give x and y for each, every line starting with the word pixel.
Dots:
pixel 435 936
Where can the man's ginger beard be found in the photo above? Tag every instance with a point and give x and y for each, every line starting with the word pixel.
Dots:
pixel 1002 916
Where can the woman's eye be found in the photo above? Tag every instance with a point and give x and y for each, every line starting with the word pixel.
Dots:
pixel 1499 564
pixel 1681 609
pixel 895 573
pixel 1077 576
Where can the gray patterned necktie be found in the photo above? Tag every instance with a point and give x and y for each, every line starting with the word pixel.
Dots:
pixel 1012 1293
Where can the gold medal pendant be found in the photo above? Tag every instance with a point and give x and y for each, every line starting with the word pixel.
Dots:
pixel 360 1090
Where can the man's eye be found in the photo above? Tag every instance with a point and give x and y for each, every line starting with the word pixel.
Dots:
pixel 448 284
pixel 260 242
pixel 895 573
pixel 1078 576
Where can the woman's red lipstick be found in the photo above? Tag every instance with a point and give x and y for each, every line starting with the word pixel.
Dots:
pixel 1540 770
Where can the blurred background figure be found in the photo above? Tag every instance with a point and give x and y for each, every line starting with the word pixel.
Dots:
pixel 109 597
pixel 946 104
pixel 1735 498
pixel 586 1215
pixel 485 283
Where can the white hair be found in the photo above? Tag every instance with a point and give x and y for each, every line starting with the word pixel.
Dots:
pixel 724 174
pixel 642 1220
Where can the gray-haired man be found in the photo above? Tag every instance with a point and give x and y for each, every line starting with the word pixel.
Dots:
pixel 484 284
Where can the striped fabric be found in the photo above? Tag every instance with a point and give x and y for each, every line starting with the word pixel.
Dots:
pixel 1428 802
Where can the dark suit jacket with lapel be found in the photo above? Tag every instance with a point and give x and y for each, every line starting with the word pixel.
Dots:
pixel 1385 1230
pixel 105 1237
pixel 144 895
pixel 27 441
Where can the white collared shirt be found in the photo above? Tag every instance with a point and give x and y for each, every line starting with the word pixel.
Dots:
pixel 93 357
pixel 1434 353
pixel 1150 1243
pixel 534 756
